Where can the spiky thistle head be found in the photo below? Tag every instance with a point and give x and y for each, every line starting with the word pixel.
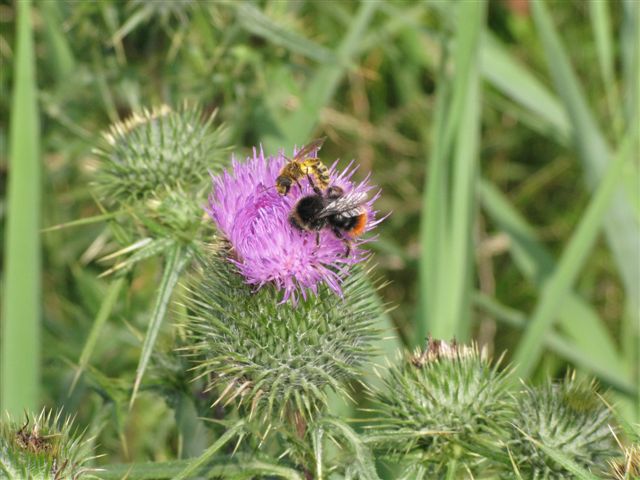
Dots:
pixel 43 446
pixel 437 402
pixel 157 151
pixel 568 417
pixel 277 360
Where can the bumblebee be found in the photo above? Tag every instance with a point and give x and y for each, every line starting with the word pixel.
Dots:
pixel 343 213
pixel 301 165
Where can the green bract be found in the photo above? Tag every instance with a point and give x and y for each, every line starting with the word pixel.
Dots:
pixel 42 447
pixel 569 418
pixel 439 403
pixel 274 359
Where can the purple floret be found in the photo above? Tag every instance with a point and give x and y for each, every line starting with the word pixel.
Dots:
pixel 251 214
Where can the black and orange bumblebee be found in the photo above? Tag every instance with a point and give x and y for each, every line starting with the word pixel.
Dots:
pixel 344 213
pixel 305 163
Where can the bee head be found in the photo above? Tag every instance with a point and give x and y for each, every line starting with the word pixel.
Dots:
pixel 334 192
pixel 283 184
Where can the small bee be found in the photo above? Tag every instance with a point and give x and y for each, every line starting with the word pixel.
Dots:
pixel 342 212
pixel 302 165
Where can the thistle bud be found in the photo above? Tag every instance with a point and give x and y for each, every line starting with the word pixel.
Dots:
pixel 568 417
pixel 43 447
pixel 438 404
pixel 158 151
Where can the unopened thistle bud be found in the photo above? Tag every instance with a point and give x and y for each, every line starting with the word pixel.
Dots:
pixel 438 403
pixel 158 151
pixel 43 447
pixel 568 417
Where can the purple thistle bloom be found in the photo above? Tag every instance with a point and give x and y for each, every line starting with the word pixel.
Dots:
pixel 254 218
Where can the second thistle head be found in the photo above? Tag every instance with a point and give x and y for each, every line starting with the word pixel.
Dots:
pixel 438 403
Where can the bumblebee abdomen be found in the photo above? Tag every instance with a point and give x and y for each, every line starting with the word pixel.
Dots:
pixel 354 225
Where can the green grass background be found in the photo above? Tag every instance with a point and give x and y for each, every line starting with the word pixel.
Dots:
pixel 504 136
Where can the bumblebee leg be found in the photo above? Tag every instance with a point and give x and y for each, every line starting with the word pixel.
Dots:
pixel 338 233
pixel 317 238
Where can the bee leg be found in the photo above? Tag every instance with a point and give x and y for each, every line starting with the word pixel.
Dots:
pixel 317 239
pixel 314 186
pixel 338 233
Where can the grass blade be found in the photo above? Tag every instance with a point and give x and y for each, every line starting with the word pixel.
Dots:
pixel 621 227
pixel 209 452
pixel 60 56
pixel 256 22
pixel 20 347
pixel 537 264
pixel 557 344
pixel 176 259
pixel 518 83
pixel 433 219
pixel 240 466
pixel 103 315
pixel 630 56
pixel 559 284
pixel 297 127
pixel 601 24
pixel 446 239
pixel 463 195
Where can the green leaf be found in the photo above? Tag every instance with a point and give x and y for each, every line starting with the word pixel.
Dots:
pixel 559 284
pixel 176 259
pixel 103 315
pixel 20 348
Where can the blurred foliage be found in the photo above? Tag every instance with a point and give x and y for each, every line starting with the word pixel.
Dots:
pixel 99 61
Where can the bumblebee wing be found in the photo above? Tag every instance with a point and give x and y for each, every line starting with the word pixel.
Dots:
pixel 348 205
pixel 310 147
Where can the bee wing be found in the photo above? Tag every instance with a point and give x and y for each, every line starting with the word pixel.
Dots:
pixel 310 147
pixel 348 205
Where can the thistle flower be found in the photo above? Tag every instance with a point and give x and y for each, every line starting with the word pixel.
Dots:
pixel 43 447
pixel 438 404
pixel 277 361
pixel 267 249
pixel 568 417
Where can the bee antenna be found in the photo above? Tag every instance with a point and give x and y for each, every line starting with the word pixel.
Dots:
pixel 265 188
